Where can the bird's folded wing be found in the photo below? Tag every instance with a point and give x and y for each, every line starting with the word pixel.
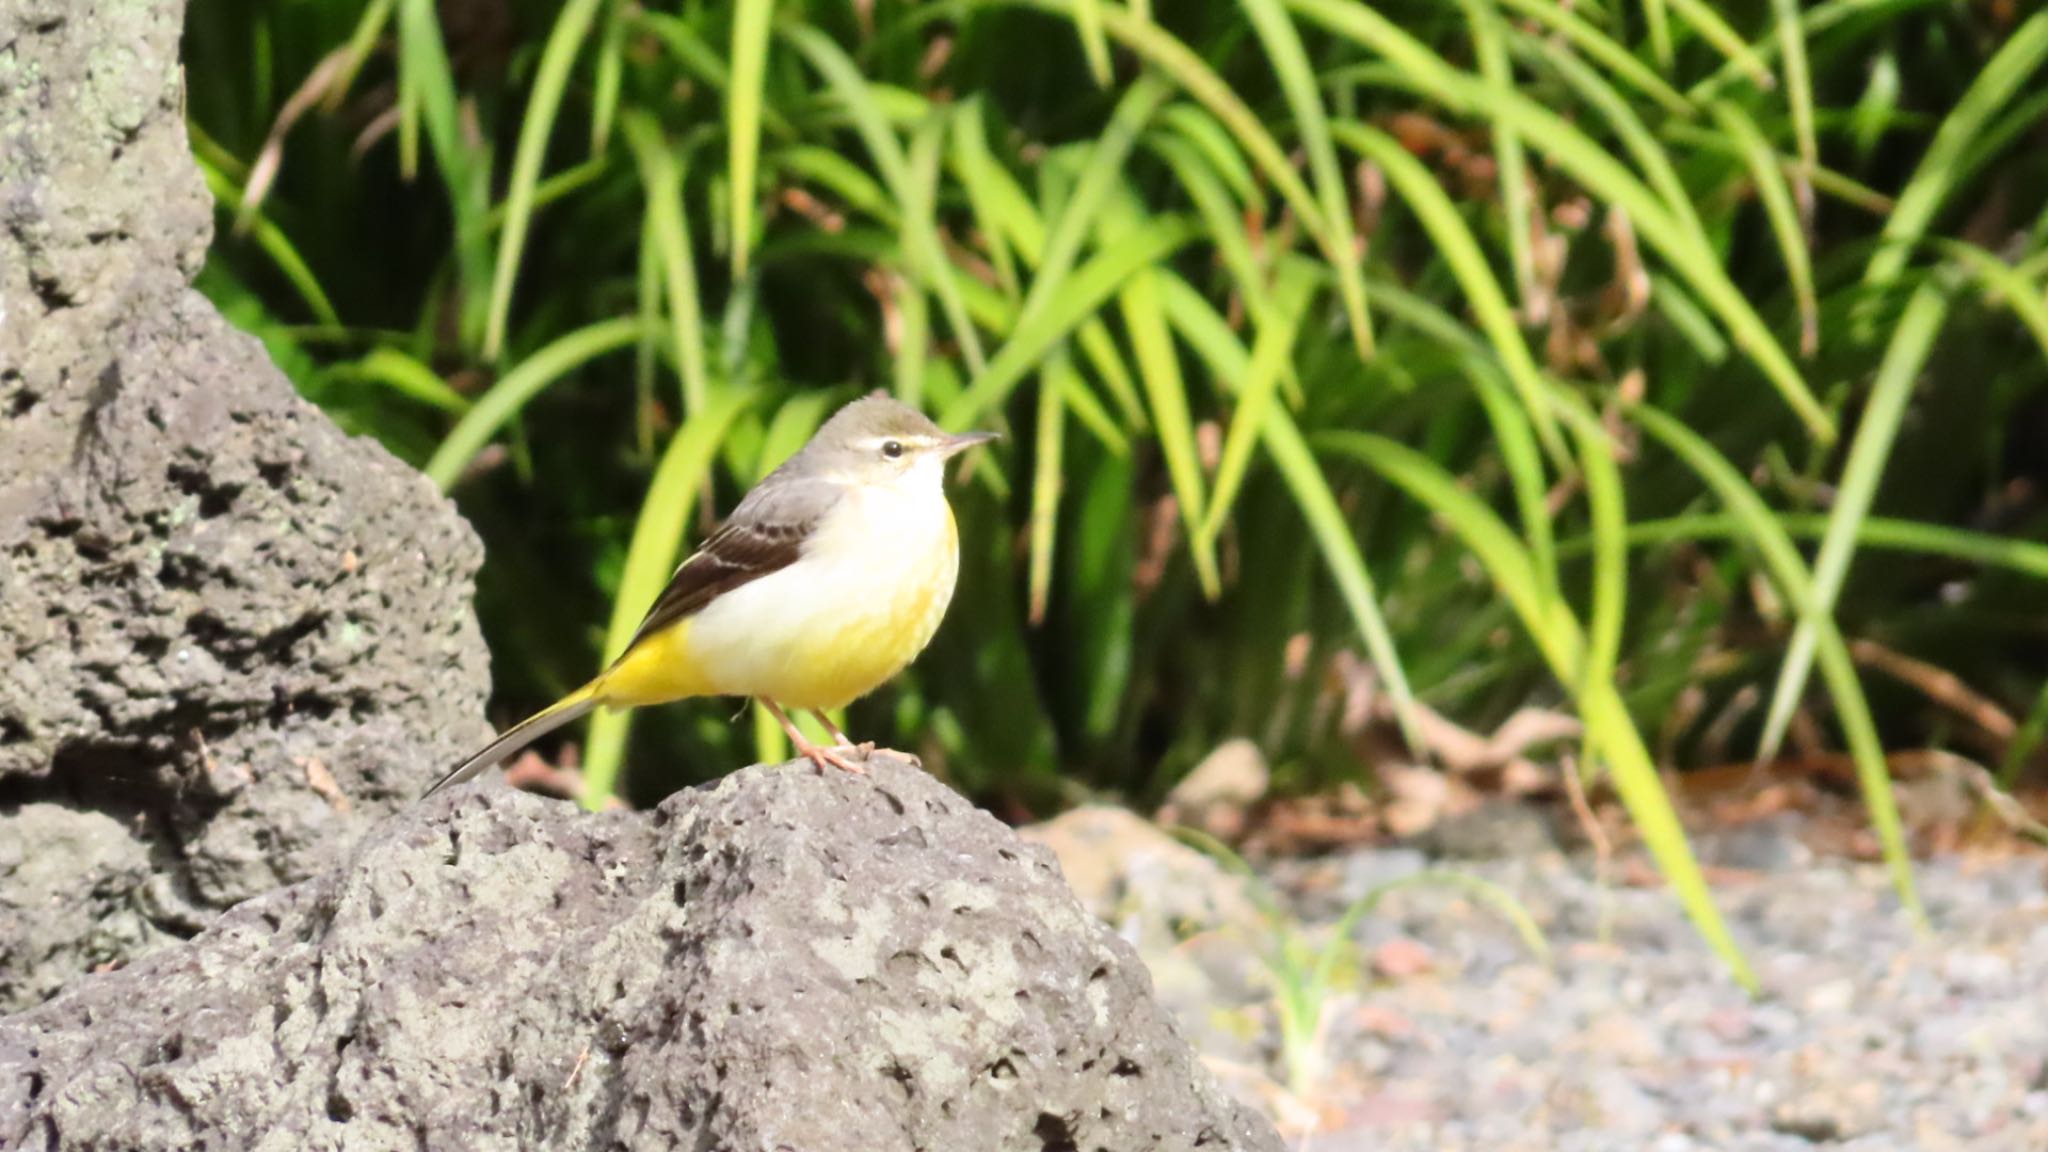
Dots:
pixel 765 534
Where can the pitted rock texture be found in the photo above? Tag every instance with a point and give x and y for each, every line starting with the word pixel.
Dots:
pixel 230 636
pixel 784 960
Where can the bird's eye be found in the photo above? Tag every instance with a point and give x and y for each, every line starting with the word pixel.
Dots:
pixel 892 448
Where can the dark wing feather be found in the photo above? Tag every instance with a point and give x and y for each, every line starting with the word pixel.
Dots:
pixel 765 534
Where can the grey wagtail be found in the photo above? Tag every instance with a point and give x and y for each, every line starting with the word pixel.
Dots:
pixel 828 579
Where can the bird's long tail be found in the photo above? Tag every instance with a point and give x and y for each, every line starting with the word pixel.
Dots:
pixel 525 732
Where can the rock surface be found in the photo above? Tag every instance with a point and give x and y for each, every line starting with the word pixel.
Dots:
pixel 785 960
pixel 232 636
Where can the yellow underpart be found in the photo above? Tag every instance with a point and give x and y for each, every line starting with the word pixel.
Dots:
pixel 658 669
pixel 817 635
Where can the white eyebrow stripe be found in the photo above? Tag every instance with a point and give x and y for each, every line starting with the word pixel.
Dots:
pixel 911 440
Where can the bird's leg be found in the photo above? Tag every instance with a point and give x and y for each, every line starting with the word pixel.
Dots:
pixel 819 756
pixel 866 748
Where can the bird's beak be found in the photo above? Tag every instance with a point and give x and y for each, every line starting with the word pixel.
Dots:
pixel 954 445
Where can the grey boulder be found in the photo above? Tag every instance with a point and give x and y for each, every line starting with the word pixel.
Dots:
pixel 785 960
pixel 231 636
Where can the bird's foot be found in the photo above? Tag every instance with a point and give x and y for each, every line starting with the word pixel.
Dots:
pixel 822 756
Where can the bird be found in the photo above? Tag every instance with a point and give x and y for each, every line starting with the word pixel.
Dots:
pixel 827 580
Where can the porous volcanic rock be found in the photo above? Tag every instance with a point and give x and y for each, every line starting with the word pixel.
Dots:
pixel 788 959
pixel 230 635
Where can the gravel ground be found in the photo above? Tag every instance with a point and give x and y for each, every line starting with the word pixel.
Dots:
pixel 1454 1037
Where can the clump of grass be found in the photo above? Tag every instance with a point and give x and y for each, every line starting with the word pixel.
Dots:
pixel 1306 968
pixel 1522 345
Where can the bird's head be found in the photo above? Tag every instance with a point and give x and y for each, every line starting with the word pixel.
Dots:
pixel 879 441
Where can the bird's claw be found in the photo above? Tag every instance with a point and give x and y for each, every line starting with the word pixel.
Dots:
pixel 822 756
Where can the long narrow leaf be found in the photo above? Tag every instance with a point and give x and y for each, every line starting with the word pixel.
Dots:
pixel 1047 471
pixel 1763 531
pixel 1276 31
pixel 920 229
pixel 517 387
pixel 650 558
pixel 1781 210
pixel 538 124
pixel 662 178
pixel 1558 636
pixel 1593 166
pixel 1271 350
pixel 1159 368
pixel 1455 243
pixel 1090 287
pixel 751 23
pixel 1907 354
pixel 1515 203
pixel 1930 184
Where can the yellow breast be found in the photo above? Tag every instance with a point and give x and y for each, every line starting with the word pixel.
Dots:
pixel 866 597
pixel 879 638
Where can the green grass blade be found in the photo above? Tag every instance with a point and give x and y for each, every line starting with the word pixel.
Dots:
pixel 1885 410
pixel 1928 188
pixel 1213 142
pixel 701 60
pixel 752 20
pixel 609 77
pixel 2004 285
pixel 1094 45
pixel 1602 49
pixel 2025 741
pixel 275 244
pixel 1649 154
pixel 362 41
pixel 1460 250
pixel 975 168
pixel 1166 392
pixel 795 422
pixel 1781 210
pixel 1523 458
pixel 1282 42
pixel 1799 95
pixel 1592 165
pixel 1047 479
pixel 841 177
pixel 650 560
pixel 1817 19
pixel 662 178
pixel 1087 291
pixel 1725 39
pixel 1211 338
pixel 1101 350
pixel 1606 501
pixel 920 230
pixel 1762 531
pixel 550 81
pixel 494 408
pixel 1657 16
pixel 1558 637
pixel 914 315
pixel 408 377
pixel 1311 490
pixel 1102 175
pixel 2026 557
pixel 1515 204
pixel 1271 351
pixel 1177 61
pixel 427 84
pixel 648 297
